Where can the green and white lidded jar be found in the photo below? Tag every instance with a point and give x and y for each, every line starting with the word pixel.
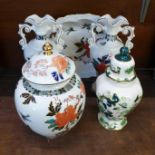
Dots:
pixel 118 90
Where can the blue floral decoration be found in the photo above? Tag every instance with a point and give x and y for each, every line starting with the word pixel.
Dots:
pixel 57 76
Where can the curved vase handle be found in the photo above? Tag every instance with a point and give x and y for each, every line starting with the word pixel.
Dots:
pixel 92 39
pixel 129 30
pixel 27 28
pixel 59 32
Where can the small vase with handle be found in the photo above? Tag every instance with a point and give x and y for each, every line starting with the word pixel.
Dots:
pixel 103 48
pixel 42 27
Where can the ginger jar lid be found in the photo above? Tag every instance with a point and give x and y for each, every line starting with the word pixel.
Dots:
pixel 48 67
pixel 122 66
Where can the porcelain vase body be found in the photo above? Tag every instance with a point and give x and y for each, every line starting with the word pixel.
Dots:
pixel 50 113
pixel 42 27
pixel 116 100
pixel 102 51
pixel 109 43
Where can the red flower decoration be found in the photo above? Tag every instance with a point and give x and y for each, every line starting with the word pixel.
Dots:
pixel 101 67
pixel 69 115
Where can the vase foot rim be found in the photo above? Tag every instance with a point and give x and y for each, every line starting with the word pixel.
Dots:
pixel 110 124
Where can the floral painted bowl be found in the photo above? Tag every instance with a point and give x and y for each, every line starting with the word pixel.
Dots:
pixel 76 29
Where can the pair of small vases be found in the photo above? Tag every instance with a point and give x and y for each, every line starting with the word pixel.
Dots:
pixel 50 97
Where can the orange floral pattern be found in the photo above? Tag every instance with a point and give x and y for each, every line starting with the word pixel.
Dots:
pixel 60 63
pixel 69 115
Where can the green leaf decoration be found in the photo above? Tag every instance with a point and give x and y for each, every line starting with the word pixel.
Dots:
pixel 58 107
pixel 33 99
pixel 95 63
pixel 138 98
pixel 123 122
pixel 71 29
pixel 123 105
pixel 80 108
pixel 52 110
pixel 25 95
pixel 50 121
pixel 79 50
pixel 100 108
pixel 86 26
pixel 28 98
pixel 101 119
pixel 103 43
pixel 27 101
pixel 115 98
pixel 57 128
pixel 129 70
pixel 78 44
pixel 51 126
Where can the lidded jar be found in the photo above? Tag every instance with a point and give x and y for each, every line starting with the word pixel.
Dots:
pixel 118 90
pixel 50 97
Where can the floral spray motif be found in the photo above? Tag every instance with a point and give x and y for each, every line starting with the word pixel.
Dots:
pixel 63 119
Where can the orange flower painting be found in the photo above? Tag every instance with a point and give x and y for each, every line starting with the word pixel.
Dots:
pixel 69 115
pixel 60 63
pixel 62 119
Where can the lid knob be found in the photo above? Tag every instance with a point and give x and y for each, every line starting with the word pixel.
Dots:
pixel 124 54
pixel 47 48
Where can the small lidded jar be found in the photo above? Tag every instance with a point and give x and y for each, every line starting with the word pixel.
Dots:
pixel 50 97
pixel 118 90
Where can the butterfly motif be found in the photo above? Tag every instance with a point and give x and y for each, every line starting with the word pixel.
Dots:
pixel 28 98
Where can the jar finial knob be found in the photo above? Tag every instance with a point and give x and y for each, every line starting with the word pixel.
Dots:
pixel 47 48
pixel 124 54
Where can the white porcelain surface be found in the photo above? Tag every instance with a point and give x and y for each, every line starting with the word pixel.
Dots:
pixel 42 27
pixel 113 117
pixel 45 69
pixel 50 113
pixel 75 35
pixel 119 70
pixel 103 48
pixel 118 91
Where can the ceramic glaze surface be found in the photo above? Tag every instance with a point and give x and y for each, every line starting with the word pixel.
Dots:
pixel 50 98
pixel 50 113
pixel 119 91
pixel 44 69
pixel 103 48
pixel 42 27
pixel 116 100
pixel 76 29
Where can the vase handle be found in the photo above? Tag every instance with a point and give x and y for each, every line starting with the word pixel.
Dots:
pixel 92 39
pixel 129 30
pixel 27 28
pixel 59 42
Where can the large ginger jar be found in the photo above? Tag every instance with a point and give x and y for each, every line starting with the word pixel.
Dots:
pixel 50 97
pixel 109 42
